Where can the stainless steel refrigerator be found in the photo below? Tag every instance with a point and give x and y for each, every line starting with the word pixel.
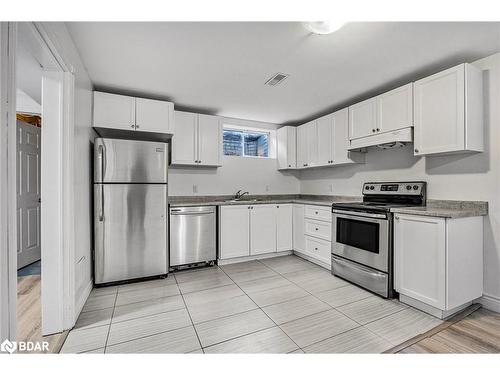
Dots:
pixel 130 209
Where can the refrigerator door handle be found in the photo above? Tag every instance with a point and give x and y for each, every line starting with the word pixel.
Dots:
pixel 101 206
pixel 102 162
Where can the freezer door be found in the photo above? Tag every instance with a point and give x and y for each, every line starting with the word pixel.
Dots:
pixel 130 224
pixel 123 161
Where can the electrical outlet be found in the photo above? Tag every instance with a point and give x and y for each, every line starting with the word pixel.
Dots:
pixel 195 188
pixel 267 187
pixel 330 187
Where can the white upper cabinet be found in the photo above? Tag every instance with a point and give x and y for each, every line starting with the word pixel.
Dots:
pixel 312 143
pixel 448 112
pixel 185 141
pixel 395 109
pixel 154 116
pixel 363 119
pixel 122 112
pixel 287 147
pixel 114 111
pixel 390 111
pixel 324 136
pixel 340 140
pixel 262 229
pixel 302 146
pixel 209 140
pixel 197 139
pixel 284 227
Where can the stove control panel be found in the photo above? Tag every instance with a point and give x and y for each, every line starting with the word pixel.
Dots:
pixel 394 188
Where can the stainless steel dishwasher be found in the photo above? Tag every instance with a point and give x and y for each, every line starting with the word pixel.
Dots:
pixel 192 235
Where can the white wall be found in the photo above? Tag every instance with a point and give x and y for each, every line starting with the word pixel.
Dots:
pixel 255 175
pixel 26 104
pixel 462 177
pixel 82 143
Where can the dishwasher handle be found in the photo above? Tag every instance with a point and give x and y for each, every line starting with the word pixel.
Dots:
pixel 203 210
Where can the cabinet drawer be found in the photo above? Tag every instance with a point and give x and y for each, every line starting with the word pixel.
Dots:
pixel 318 249
pixel 317 228
pixel 318 213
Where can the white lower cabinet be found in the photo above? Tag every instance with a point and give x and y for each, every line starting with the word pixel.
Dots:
pixel 438 264
pixel 262 229
pixel 252 230
pixel 298 228
pixel 234 231
pixel 284 227
pixel 318 249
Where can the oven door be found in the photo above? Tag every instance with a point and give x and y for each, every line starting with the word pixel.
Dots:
pixel 361 237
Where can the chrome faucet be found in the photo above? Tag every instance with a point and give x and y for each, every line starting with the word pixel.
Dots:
pixel 239 194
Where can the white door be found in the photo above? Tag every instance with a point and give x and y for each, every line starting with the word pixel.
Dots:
pixel 312 143
pixel 154 116
pixel 284 227
pixel 324 136
pixel 114 111
pixel 420 258
pixel 209 140
pixel 235 231
pixel 395 109
pixel 302 146
pixel 262 229
pixel 298 228
pixel 440 112
pixel 28 194
pixel 184 141
pixel 363 119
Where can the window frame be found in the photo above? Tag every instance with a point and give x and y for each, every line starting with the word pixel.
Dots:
pixel 271 140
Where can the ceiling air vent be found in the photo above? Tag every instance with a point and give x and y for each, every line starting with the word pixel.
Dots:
pixel 276 79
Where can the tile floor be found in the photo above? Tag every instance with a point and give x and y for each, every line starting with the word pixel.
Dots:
pixel 278 305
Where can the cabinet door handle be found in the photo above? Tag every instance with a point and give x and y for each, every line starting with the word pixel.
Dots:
pixel 132 126
pixel 416 151
pixel 316 228
pixel 378 129
pixel 373 130
pixel 315 248
pixel 396 217
pixel 137 126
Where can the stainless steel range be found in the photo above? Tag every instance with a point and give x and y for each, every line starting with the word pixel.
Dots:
pixel 362 241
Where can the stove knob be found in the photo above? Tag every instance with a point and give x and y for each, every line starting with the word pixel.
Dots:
pixel 367 187
pixel 408 187
pixel 372 187
pixel 415 187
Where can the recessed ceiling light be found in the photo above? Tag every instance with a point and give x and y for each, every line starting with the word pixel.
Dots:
pixel 276 79
pixel 323 27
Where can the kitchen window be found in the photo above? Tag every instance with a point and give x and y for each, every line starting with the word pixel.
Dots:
pixel 246 143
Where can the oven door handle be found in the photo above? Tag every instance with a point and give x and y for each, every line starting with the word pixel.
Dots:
pixel 360 214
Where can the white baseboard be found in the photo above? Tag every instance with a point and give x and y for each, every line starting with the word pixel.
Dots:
pixel 490 302
pixel 313 260
pixel 83 298
pixel 222 262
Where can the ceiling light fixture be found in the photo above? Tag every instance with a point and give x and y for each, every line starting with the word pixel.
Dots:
pixel 323 27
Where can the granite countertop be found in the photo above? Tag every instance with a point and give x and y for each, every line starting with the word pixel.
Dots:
pixel 224 200
pixel 447 209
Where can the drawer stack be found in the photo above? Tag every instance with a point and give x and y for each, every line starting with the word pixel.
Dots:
pixel 317 226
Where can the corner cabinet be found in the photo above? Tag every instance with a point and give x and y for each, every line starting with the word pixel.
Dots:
pixel 287 147
pixel 120 112
pixel 253 230
pixel 197 140
pixel 438 262
pixel 449 112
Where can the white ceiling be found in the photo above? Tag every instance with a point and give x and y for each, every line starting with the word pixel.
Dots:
pixel 221 67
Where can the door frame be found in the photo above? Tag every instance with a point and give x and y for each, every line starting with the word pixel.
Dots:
pixel 59 313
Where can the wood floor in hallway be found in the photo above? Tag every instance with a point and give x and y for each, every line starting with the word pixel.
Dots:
pixel 477 333
pixel 29 314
